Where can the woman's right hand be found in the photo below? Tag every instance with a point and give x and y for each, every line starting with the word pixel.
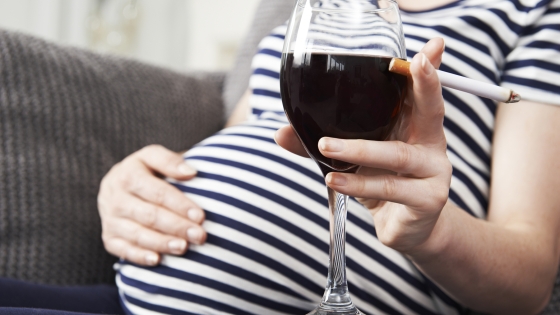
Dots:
pixel 142 215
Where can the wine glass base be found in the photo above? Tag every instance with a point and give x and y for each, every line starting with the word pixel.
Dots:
pixel 330 310
pixel 319 311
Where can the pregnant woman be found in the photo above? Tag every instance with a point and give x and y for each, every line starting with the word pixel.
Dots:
pixel 242 226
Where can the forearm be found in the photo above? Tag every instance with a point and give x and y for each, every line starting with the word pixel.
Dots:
pixel 489 267
pixel 241 110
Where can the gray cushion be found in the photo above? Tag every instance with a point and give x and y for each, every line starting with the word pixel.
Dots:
pixel 66 117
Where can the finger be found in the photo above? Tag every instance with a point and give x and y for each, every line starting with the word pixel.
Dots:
pixel 165 162
pixel 407 191
pixel 395 156
pixel 426 121
pixel 146 238
pixel 160 219
pixel 125 250
pixel 434 50
pixel 287 138
pixel 159 192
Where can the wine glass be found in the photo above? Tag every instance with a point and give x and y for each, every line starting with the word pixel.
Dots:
pixel 335 83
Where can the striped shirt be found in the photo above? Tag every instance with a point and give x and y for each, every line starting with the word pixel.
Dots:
pixel 266 209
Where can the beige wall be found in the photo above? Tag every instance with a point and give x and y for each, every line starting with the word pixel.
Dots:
pixel 180 34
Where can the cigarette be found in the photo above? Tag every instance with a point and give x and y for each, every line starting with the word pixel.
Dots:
pixel 460 83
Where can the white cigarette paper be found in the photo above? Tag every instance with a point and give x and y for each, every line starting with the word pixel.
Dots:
pixel 464 84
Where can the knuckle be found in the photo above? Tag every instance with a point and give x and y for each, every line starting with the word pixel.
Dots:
pixel 440 113
pixel 160 194
pixel 132 181
pixel 357 148
pixel 150 216
pixel 151 148
pixel 403 155
pixel 125 180
pixel 122 209
pixel 441 197
pixel 389 187
pixel 114 205
pixel 114 230
pixel 361 186
pixel 137 234
pixel 388 238
pixel 441 191
pixel 437 198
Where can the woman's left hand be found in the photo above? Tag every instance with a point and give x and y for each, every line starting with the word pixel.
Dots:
pixel 404 183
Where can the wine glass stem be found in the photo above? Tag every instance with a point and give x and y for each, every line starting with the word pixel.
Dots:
pixel 336 293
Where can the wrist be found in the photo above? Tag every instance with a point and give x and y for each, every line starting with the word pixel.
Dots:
pixel 438 241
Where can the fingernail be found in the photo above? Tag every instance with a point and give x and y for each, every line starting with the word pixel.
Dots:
pixel 177 246
pixel 186 170
pixel 194 215
pixel 337 180
pixel 426 66
pixel 195 234
pixel 331 144
pixel 151 259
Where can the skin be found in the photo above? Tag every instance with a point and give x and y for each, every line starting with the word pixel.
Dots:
pixel 414 5
pixel 508 263
pixel 143 216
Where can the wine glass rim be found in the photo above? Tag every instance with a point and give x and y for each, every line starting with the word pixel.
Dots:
pixel 345 52
pixel 380 10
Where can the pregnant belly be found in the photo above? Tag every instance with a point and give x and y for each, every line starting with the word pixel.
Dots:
pixel 243 167
pixel 267 224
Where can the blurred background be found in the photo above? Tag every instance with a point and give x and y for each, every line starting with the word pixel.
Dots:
pixel 185 35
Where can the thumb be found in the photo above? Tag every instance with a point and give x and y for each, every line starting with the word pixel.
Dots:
pixel 287 138
pixel 428 110
pixel 434 50
pixel 165 162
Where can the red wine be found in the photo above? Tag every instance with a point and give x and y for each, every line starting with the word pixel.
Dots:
pixel 340 96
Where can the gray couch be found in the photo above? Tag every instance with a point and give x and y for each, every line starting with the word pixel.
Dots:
pixel 68 115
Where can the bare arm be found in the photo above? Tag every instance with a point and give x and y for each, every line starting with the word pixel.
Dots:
pixel 241 110
pixel 506 265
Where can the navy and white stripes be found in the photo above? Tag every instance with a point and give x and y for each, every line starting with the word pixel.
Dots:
pixel 266 209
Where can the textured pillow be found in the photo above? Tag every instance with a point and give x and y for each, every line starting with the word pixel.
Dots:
pixel 67 116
